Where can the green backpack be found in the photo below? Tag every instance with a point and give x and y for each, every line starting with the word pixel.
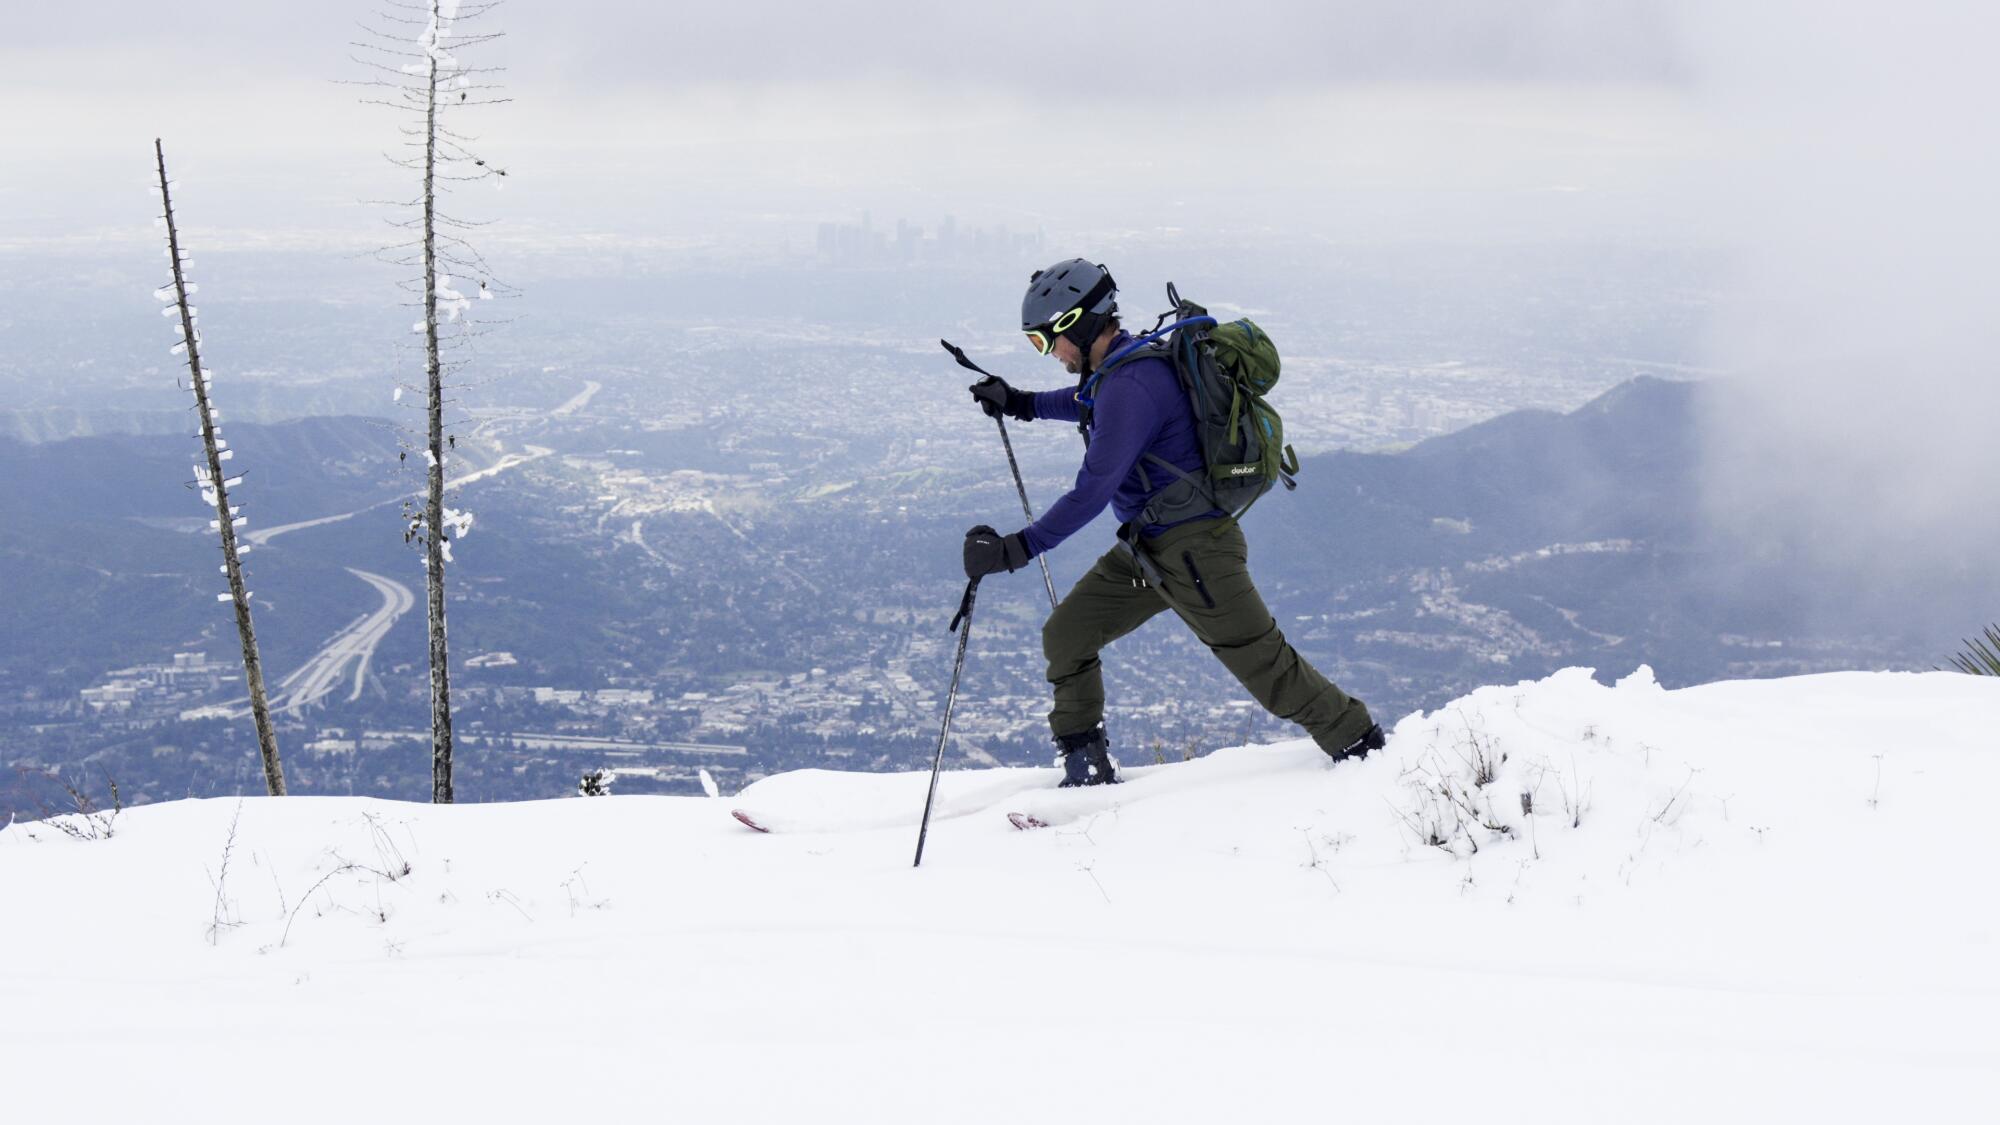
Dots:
pixel 1226 371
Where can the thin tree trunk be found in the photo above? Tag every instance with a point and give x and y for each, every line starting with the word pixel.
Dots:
pixel 253 668
pixel 434 505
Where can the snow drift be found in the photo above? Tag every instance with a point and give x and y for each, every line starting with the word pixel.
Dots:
pixel 1557 901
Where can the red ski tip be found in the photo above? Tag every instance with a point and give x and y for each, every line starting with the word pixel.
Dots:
pixel 747 820
pixel 1024 822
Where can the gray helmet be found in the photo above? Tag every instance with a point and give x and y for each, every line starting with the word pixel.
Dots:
pixel 1072 298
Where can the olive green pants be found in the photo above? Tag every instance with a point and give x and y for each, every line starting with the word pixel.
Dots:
pixel 1204 576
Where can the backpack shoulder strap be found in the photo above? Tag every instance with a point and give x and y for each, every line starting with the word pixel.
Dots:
pixel 1138 349
pixel 1086 391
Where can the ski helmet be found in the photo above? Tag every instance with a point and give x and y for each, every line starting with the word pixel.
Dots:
pixel 1072 298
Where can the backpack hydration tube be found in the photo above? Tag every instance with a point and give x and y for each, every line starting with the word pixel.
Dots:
pixel 1226 369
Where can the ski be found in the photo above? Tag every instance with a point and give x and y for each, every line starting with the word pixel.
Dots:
pixel 1023 821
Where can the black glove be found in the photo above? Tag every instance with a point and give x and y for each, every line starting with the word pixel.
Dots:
pixel 988 552
pixel 995 397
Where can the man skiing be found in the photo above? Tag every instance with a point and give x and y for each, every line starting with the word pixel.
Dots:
pixel 1185 555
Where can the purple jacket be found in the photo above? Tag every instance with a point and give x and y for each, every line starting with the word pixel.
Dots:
pixel 1140 409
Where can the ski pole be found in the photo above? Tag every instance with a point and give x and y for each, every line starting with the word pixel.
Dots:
pixel 1026 509
pixel 963 617
pixel 1048 581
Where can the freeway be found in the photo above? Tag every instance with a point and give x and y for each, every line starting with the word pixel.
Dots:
pixel 583 397
pixel 533 452
pixel 351 648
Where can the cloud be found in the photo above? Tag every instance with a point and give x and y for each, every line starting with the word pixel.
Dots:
pixel 1082 48
pixel 1858 435
pixel 1067 112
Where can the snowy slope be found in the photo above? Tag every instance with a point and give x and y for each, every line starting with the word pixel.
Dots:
pixel 1750 901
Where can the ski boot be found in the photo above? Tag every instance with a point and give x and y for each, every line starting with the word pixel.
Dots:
pixel 1371 739
pixel 1086 759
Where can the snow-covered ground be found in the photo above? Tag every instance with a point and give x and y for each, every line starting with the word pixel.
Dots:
pixel 1765 901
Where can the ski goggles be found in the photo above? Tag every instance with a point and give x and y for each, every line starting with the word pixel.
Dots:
pixel 1044 338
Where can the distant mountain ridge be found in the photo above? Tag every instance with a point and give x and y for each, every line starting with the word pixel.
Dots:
pixel 1506 550
pixel 295 470
pixel 1543 539
pixel 1622 466
pixel 107 563
pixel 65 423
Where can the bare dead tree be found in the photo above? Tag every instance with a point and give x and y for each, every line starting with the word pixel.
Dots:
pixel 413 49
pixel 215 484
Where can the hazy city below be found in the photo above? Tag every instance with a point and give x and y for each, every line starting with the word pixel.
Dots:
pixel 718 506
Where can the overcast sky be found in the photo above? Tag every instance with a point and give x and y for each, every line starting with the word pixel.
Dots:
pixel 665 119
pixel 1022 45
pixel 1840 153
